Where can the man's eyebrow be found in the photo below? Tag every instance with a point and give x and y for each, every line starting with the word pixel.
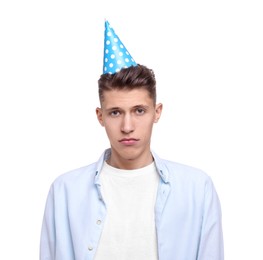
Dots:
pixel 112 108
pixel 141 105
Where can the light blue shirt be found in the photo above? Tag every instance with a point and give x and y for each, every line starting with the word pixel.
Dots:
pixel 187 214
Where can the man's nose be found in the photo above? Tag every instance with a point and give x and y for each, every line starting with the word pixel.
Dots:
pixel 127 124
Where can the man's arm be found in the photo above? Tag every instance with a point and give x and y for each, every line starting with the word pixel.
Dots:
pixel 48 234
pixel 211 242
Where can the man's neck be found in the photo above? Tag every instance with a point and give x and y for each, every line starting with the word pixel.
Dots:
pixel 130 164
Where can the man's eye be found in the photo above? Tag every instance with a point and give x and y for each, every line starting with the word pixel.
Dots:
pixel 114 113
pixel 140 111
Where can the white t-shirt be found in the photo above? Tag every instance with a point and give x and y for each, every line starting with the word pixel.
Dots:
pixel 129 231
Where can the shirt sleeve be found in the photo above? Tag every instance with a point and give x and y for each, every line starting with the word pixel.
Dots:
pixel 211 242
pixel 48 237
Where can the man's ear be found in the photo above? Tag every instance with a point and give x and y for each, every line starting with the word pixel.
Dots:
pixel 99 116
pixel 158 112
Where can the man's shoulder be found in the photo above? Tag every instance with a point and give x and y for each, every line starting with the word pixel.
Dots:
pixel 182 171
pixel 76 176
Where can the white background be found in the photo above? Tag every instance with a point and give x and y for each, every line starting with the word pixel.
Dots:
pixel 208 60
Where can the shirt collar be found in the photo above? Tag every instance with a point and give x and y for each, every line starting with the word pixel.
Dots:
pixel 161 167
pixel 159 163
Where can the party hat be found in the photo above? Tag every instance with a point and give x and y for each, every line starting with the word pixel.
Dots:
pixel 116 55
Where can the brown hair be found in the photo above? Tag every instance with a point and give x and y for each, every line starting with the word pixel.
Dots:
pixel 134 77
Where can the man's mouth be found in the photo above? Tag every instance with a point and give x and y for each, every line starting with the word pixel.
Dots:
pixel 129 141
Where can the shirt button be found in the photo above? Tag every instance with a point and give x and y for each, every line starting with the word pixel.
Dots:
pixel 99 222
pixel 90 248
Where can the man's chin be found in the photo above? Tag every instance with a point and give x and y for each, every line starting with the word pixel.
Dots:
pixel 127 153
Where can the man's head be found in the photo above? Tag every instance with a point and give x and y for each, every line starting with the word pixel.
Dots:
pixel 134 77
pixel 128 111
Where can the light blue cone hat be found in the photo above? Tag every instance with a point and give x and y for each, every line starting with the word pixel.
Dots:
pixel 116 55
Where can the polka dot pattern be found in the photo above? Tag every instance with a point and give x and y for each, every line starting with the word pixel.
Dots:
pixel 116 55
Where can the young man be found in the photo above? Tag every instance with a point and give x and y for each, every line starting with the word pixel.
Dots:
pixel 131 204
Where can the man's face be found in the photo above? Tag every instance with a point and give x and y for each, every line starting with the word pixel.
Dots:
pixel 128 117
